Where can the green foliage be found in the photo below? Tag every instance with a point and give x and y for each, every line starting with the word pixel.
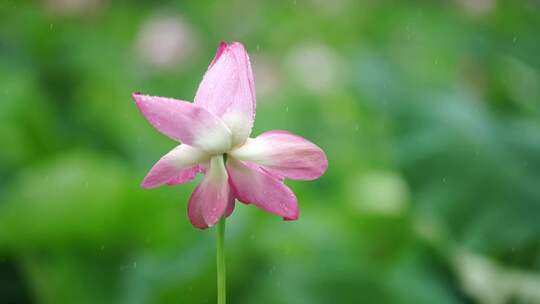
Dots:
pixel 429 112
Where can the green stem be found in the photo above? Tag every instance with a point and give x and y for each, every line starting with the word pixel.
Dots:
pixel 220 259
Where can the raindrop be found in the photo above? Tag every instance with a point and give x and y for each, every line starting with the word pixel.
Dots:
pixel 287 109
pixel 444 180
pixel 514 40
pixel 51 26
pixel 134 264
pixel 356 127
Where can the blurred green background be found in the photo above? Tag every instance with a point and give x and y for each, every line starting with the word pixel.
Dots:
pixel 429 112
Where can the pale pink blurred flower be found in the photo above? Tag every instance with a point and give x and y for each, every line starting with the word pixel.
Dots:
pixel 166 41
pixel 73 7
pixel 267 76
pixel 214 131
pixel 315 66
pixel 331 8
pixel 477 8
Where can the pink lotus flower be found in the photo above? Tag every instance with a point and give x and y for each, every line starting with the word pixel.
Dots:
pixel 214 134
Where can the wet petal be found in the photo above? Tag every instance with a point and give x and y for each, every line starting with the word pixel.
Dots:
pixel 212 198
pixel 228 90
pixel 232 203
pixel 254 185
pixel 174 164
pixel 185 122
pixel 185 175
pixel 284 154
